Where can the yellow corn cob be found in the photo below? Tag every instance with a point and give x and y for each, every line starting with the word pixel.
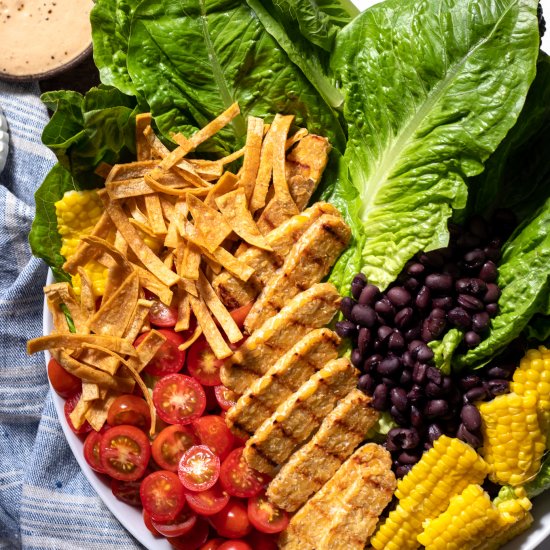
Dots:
pixel 513 442
pixel 533 374
pixel 444 471
pixel 470 517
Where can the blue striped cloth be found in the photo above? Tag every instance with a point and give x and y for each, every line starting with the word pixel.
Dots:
pixel 45 501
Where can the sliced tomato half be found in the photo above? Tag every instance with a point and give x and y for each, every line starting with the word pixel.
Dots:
pixel 162 495
pixel 179 399
pixel 199 468
pixel 208 502
pixel 238 478
pixel 202 364
pixel 68 408
pixel 168 359
pixel 232 522
pixel 214 433
pixel 194 539
pixel 265 516
pixel 170 444
pixel 127 491
pixel 125 452
pixel 235 545
pixel 92 447
pixel 180 525
pixel 129 409
pixel 162 315
pixel 149 523
pixel 226 397
pixel 64 383
pixel 240 314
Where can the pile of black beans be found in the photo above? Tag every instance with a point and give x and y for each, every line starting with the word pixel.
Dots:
pixel 454 287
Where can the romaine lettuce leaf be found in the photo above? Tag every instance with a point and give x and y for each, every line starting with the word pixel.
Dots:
pixel 541 482
pixel 445 348
pixel 432 87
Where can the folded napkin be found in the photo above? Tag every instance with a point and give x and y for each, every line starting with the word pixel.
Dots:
pixel 45 500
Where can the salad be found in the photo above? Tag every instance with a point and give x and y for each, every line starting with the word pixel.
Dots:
pixel 437 118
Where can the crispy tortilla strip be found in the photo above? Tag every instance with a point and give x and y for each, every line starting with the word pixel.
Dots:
pixel 211 333
pixel 184 311
pixel 305 165
pixel 143 227
pixel 191 340
pixel 233 292
pixel 265 169
pixel 152 283
pixel 147 349
pixel 58 318
pixel 317 461
pixel 90 391
pixel 210 224
pixel 143 148
pixel 299 416
pixel 187 171
pixel 156 185
pixel 158 148
pixel 167 208
pixel 74 341
pixel 309 310
pixel 147 395
pixel 232 157
pixel 181 213
pixel 233 206
pixel 87 298
pixel 103 169
pixel 191 262
pixel 85 372
pixel 155 214
pixel 120 244
pixel 105 353
pixel 300 134
pixel 78 414
pixel 344 513
pixel 286 376
pixel 207 169
pixel 62 293
pixel 224 185
pixel 139 315
pixel 219 311
pixel 97 413
pixel 252 154
pixel 97 243
pixel 128 188
pixel 136 207
pixel 131 170
pixel 309 261
pixel 149 259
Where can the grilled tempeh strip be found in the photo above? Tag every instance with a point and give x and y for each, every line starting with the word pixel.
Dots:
pixel 308 262
pixel 309 310
pixel 235 293
pixel 299 416
pixel 315 463
pixel 344 513
pixel 300 362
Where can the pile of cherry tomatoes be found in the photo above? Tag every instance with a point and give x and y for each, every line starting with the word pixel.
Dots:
pixel 191 480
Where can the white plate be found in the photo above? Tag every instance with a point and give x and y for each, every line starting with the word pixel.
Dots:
pixel 4 140
pixel 131 518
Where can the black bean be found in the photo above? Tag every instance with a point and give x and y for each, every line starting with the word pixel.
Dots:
pixel 416 269
pixel 459 317
pixel 499 372
pixel 346 329
pixel 433 390
pixel 480 321
pixel 357 285
pixel 443 302
pixel 440 282
pixel 434 432
pixel 472 339
pixel 407 359
pixel 470 417
pixel 455 397
pixel 475 394
pixel 399 296
pixel 492 252
pixel 446 384
pixel 470 303
pixel 478 227
pixel 400 417
pixel 384 332
pixel 411 284
pixel 363 315
pixel 488 272
pixel 498 387
pixel 471 285
pixel 412 334
pixel 384 307
pixel 398 397
pixel 468 437
pixel 389 382
pixel 417 419
pixel 451 269
pixel 436 408
pixel 434 375
pixel 416 394
pixel 492 309
pixel 423 298
pixel 372 362
pixel 356 357
pixel 380 397
pixel 408 457
pixel 396 342
pixel 369 295
pixel 402 470
pixel 420 373
pixel 346 305
pixel 415 346
pixel 474 259
pixel 425 354
pixel 404 317
pixel 402 438
pixel 492 293
pixel 434 325
pixel 363 340
pixel 406 378
pixel 434 259
pixel 366 383
pixel 469 381
pixel 389 366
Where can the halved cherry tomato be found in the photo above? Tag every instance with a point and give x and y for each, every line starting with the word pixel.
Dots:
pixel 162 495
pixel 239 314
pixel 211 400
pixel 64 383
pixel 262 541
pixel 194 539
pixel 212 544
pixel 162 315
pixel 232 522
pixel 226 398
pixel 202 363
pixel 265 516
pixel 170 444
pixel 129 409
pixel 208 502
pixel 213 433
pixel 68 408
pixel 125 452
pixel 168 359
pixel 179 399
pixel 238 478
pixel 149 523
pixel 199 468
pixel 180 525
pixel 91 451
pixel 127 491
pixel 235 545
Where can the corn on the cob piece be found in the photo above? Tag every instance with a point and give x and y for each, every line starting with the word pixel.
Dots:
pixel 444 471
pixel 513 443
pixel 533 374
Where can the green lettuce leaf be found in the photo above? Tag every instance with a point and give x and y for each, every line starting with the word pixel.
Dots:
pixel 191 59
pixel 445 348
pixel 431 90
pixel 542 482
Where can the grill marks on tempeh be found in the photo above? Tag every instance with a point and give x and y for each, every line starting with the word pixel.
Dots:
pixel 311 309
pixel 286 376
pixel 309 261
pixel 315 463
pixel 299 416
pixel 344 513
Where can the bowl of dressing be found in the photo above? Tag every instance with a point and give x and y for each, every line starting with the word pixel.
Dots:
pixel 42 38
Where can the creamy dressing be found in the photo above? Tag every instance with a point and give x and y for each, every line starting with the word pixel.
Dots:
pixel 41 35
